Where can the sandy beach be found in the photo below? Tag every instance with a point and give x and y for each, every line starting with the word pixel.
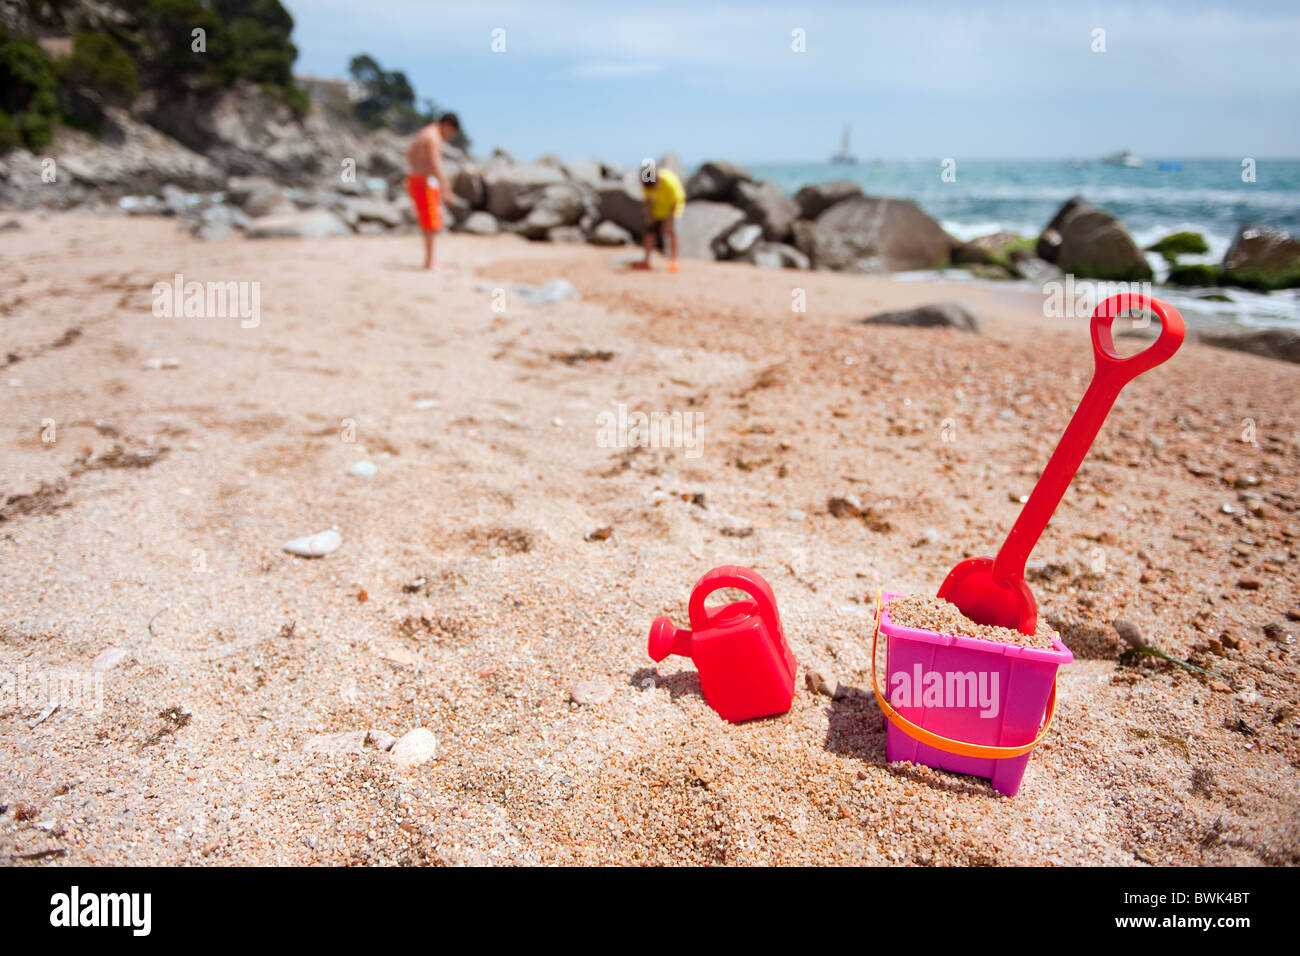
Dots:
pixel 245 719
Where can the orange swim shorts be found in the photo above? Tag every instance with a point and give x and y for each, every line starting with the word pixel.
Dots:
pixel 428 209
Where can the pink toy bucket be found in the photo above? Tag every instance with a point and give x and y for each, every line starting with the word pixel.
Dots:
pixel 962 704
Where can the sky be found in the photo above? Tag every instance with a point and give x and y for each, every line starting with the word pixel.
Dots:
pixel 987 79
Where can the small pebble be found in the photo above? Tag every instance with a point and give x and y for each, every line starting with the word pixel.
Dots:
pixel 592 692
pixel 362 469
pixel 158 364
pixel 107 659
pixel 424 404
pixel 1248 584
pixel 795 514
pixel 380 739
pixel 819 681
pixel 415 747
pixel 1129 632
pixel 316 545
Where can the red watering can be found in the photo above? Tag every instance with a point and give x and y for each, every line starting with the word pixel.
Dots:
pixel 746 668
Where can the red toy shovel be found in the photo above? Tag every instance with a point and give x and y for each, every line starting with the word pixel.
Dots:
pixel 993 590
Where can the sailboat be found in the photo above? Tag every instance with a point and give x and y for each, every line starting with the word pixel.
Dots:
pixel 1122 158
pixel 844 157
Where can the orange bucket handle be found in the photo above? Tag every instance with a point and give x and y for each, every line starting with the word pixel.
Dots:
pixel 947 744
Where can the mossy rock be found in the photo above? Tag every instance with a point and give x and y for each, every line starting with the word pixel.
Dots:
pixel 1180 244
pixel 1193 275
pixel 1215 297
pixel 1133 273
pixel 1263 280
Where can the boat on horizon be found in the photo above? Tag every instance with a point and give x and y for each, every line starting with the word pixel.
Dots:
pixel 844 156
pixel 1122 158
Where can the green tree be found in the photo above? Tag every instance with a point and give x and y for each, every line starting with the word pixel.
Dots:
pixel 29 93
pixel 100 70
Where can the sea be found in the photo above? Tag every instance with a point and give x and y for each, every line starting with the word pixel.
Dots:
pixel 1211 196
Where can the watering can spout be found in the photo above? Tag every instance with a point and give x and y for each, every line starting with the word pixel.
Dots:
pixel 666 640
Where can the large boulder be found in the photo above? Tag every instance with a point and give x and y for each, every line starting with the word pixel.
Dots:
pixel 622 201
pixel 702 224
pixel 256 195
pixel 468 184
pixel 299 225
pixel 610 234
pixel 1262 257
pixel 1087 241
pixel 738 241
pixel 716 180
pixel 560 204
pixel 356 211
pixel 942 315
pixel 513 190
pixel 1282 344
pixel 672 162
pixel 874 235
pixel 767 205
pixel 816 199
pixel 586 170
pixel 994 249
pixel 479 223
pixel 775 255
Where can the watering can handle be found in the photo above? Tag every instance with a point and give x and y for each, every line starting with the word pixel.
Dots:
pixel 1111 373
pixel 743 579
pixel 947 744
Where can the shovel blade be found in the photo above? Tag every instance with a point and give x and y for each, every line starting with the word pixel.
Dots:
pixel 972 587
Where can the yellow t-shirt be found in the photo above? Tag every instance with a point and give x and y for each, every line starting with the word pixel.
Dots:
pixel 667 196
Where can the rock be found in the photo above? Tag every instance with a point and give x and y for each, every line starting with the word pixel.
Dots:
pixel 337 744
pixel 949 315
pixel 768 205
pixel 1179 244
pixel 107 659
pixel 716 180
pixel 1091 242
pixel 424 404
pixel 566 234
pixel 355 211
pixel 702 224
pixel 316 545
pixel 175 200
pixel 874 236
pixel 512 191
pixel 819 680
pixel 414 748
pixel 558 205
pixel 556 290
pixel 225 214
pixel 1262 258
pixel 1281 344
pixel 622 202
pixel 212 231
pixel 737 242
pixel 480 224
pixel 587 170
pixel 610 234
pixel 1129 633
pixel 10 225
pixel 1193 274
pixel 468 183
pixel 672 162
pixel 1034 269
pixel 816 199
pixel 380 739
pixel 160 364
pixel 592 692
pixel 994 249
pixel 362 469
pixel 298 225
pixel 776 255
pixel 256 195
pixel 796 514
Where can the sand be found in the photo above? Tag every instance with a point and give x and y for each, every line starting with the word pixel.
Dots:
pixel 247 696
pixel 928 613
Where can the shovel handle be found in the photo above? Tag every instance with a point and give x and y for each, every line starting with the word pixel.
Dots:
pixel 1111 373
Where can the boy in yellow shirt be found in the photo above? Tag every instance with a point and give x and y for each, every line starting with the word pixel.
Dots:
pixel 665 201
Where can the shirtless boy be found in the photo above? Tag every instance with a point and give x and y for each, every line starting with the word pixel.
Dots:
pixel 426 182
